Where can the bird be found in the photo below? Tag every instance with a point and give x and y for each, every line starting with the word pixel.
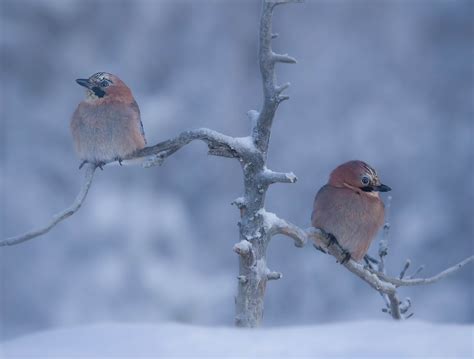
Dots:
pixel 349 208
pixel 106 126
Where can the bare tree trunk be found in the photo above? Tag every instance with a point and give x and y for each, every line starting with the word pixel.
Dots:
pixel 254 236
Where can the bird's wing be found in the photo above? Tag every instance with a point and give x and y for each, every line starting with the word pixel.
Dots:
pixel 353 219
pixel 135 107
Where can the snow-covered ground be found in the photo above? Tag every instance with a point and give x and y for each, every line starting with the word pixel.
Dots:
pixel 353 339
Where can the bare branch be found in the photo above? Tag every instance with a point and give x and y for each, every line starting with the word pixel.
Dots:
pixel 424 281
pixel 243 248
pixel 242 279
pixel 86 184
pixel 405 268
pixel 405 305
pixel 383 244
pixel 418 270
pixel 239 202
pixel 281 88
pixel 275 225
pixel 218 144
pixel 274 275
pixel 271 91
pixel 283 58
pixel 270 177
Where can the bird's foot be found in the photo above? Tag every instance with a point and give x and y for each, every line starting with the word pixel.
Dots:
pixel 319 248
pixel 100 164
pixel 119 160
pixel 332 240
pixel 346 256
pixel 83 163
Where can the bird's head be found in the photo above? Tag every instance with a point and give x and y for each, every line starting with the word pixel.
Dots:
pixel 103 86
pixel 358 176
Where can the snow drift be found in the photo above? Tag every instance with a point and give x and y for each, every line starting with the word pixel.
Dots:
pixel 362 339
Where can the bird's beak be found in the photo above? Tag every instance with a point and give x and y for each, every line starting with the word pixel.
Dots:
pixel 382 188
pixel 379 188
pixel 84 82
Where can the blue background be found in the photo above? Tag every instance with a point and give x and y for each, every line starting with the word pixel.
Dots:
pixel 388 82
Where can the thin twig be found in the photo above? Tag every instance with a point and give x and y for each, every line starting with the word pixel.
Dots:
pixel 57 218
pixel 383 244
pixel 424 281
pixel 391 299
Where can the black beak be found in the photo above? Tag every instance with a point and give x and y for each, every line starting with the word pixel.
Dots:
pixel 84 82
pixel 380 188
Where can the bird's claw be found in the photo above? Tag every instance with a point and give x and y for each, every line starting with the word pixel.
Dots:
pixel 332 239
pixel 319 248
pixel 82 164
pixel 346 256
pixel 100 165
pixel 119 160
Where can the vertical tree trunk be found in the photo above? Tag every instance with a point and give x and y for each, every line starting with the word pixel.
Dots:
pixel 252 265
pixel 254 234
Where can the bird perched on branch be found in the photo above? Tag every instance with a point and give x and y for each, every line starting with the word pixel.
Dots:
pixel 106 126
pixel 349 208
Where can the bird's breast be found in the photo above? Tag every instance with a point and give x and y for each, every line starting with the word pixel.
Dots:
pixel 352 218
pixel 107 131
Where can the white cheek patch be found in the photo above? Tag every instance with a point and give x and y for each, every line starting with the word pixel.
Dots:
pixel 372 194
pixel 91 96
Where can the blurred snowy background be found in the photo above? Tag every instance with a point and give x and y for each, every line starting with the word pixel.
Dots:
pixel 389 82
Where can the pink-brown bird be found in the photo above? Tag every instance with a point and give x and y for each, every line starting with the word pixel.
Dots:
pixel 349 207
pixel 106 126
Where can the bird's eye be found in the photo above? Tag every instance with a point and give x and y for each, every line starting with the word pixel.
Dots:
pixel 104 83
pixel 365 180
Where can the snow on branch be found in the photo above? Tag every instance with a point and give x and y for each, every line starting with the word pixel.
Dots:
pixel 269 177
pixel 218 144
pixel 57 218
pixel 243 248
pixel 275 225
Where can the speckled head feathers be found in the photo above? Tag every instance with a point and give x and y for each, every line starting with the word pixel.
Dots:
pixel 103 86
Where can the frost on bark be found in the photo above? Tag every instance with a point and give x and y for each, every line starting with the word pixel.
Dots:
pixel 255 229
